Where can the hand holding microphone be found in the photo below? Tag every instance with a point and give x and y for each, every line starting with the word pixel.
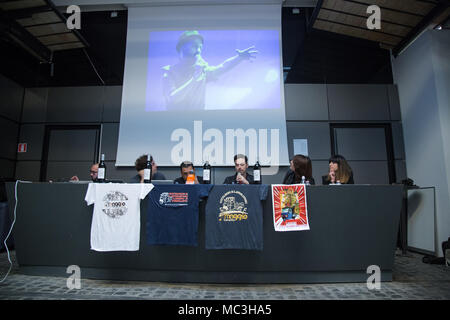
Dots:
pixel 240 179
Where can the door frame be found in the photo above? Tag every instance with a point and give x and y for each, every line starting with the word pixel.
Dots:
pixel 46 147
pixel 388 142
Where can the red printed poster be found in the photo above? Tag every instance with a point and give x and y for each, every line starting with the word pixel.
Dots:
pixel 290 211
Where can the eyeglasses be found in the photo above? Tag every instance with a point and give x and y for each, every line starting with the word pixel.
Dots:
pixel 93 171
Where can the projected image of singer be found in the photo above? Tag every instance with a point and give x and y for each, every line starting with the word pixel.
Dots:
pixel 184 83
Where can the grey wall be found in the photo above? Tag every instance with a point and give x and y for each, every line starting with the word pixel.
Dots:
pixel 10 111
pixel 422 73
pixel 310 108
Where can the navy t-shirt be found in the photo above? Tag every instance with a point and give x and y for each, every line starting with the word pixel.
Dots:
pixel 234 217
pixel 172 214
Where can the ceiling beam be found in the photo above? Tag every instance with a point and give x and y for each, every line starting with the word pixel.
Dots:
pixel 314 15
pixel 15 31
pixel 27 12
pixel 64 19
pixel 423 24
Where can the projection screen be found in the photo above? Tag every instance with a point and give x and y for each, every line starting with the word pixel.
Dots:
pixel 203 83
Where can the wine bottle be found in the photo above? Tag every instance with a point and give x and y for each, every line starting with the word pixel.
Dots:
pixel 101 175
pixel 148 170
pixel 190 178
pixel 207 173
pixel 257 173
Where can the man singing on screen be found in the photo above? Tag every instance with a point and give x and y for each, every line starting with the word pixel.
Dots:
pixel 184 83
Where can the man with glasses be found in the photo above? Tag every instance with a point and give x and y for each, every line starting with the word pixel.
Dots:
pixel 185 168
pixel 93 173
pixel 241 176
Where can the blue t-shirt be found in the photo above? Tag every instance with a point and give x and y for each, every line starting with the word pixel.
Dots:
pixel 234 217
pixel 172 214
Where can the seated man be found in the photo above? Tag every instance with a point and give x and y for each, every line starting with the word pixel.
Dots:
pixel 93 173
pixel 241 176
pixel 140 165
pixel 185 167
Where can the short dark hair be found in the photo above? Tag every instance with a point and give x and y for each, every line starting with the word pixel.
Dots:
pixel 241 156
pixel 186 164
pixel 141 162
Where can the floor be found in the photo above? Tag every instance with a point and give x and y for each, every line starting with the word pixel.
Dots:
pixel 413 279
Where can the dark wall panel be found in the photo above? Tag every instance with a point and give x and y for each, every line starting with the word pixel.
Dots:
pixel 35 105
pixel 400 170
pixel 28 170
pixel 9 131
pixel 317 134
pixel 72 145
pixel 358 102
pixel 7 168
pixel 361 143
pixel 11 99
pixel 79 104
pixel 320 168
pixel 64 170
pixel 394 103
pixel 110 136
pixel 306 102
pixel 112 104
pixel 370 172
pixel 33 135
pixel 398 142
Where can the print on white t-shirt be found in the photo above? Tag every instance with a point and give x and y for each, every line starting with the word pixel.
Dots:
pixel 116 220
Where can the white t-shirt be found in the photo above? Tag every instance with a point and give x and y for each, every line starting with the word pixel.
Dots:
pixel 116 221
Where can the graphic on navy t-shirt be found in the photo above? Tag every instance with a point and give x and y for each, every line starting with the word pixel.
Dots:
pixel 233 207
pixel 174 199
pixel 172 214
pixel 234 217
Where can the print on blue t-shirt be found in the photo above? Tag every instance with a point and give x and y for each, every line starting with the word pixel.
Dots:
pixel 234 217
pixel 172 214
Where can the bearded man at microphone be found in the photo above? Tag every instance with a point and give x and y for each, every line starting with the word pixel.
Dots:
pixel 241 176
pixel 184 83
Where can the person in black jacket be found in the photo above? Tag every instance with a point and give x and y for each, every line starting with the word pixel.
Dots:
pixel 300 167
pixel 185 168
pixel 241 176
pixel 340 171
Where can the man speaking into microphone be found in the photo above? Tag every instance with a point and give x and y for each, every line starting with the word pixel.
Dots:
pixel 184 83
pixel 241 176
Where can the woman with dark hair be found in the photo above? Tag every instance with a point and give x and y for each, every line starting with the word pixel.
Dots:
pixel 300 167
pixel 340 171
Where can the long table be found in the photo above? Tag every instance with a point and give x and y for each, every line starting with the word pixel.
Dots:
pixel 351 228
